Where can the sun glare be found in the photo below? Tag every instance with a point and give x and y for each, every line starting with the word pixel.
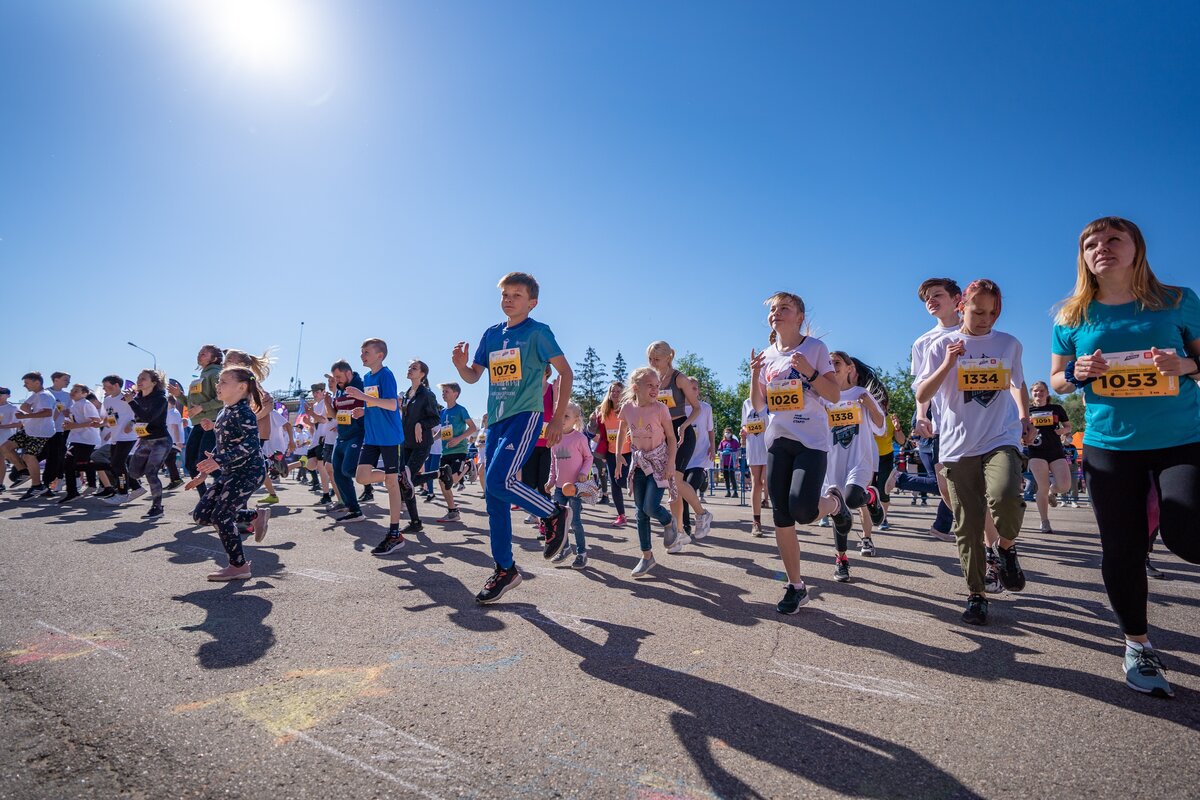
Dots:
pixel 267 36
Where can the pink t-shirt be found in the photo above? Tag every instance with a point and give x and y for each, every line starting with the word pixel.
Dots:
pixel 570 457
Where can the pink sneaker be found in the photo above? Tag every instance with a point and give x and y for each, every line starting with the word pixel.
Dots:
pixel 259 526
pixel 619 522
pixel 231 573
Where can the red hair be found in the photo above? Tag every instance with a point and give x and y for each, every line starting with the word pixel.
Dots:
pixel 981 286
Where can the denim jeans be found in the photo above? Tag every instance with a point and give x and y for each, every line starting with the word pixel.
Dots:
pixel 647 497
pixel 345 464
pixel 576 521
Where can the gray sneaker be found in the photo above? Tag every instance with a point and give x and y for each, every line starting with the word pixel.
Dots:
pixel 580 561
pixel 670 534
pixel 642 570
pixel 703 524
pixel 562 556
pixel 1144 672
pixel 681 541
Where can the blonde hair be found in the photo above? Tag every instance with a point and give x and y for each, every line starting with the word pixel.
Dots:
pixel 634 378
pixel 660 347
pixel 520 279
pixel 259 365
pixel 607 406
pixel 258 398
pixel 573 406
pixel 796 299
pixel 1150 293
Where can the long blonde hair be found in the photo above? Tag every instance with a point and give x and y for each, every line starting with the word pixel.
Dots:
pixel 634 378
pixel 573 406
pixel 1151 294
pixel 607 406
pixel 259 365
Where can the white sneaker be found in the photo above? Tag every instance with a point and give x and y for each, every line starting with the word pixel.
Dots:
pixel 703 524
pixel 1045 528
pixel 642 570
pixel 1074 504
pixel 136 493
pixel 532 520
pixel 681 541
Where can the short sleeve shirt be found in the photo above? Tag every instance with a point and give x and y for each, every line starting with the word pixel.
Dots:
pixel 515 359
pixel 42 427
pixel 382 426
pixel 1136 423
pixel 456 418
pixel 808 425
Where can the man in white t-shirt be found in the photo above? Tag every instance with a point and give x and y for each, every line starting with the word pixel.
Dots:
pixel 82 427
pixel 55 451
pixel 8 426
pixel 36 416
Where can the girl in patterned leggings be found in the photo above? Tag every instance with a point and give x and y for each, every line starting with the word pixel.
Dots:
pixel 238 456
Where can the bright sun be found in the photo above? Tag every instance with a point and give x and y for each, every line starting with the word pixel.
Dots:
pixel 269 36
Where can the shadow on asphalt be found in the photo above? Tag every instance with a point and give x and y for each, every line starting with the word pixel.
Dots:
pixel 235 621
pixel 837 757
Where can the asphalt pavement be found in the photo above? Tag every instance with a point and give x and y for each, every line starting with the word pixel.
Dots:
pixel 335 673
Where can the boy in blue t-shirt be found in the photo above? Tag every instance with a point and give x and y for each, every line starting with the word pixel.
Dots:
pixel 382 437
pixel 456 431
pixel 514 354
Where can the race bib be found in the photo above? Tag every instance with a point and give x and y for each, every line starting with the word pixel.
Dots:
pixel 612 439
pixel 141 429
pixel 757 426
pixel 344 418
pixel 61 408
pixel 447 433
pixel 1043 419
pixel 371 391
pixel 849 413
pixel 666 398
pixel 504 366
pixel 1133 374
pixel 542 435
pixel 194 388
pixel 982 375
pixel 111 420
pixel 785 395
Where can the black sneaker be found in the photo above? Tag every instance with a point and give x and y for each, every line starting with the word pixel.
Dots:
pixel 155 511
pixel 1010 569
pixel 501 581
pixel 874 507
pixel 174 484
pixel 976 613
pixel 841 570
pixel 17 478
pixel 367 494
pixel 555 529
pixel 2 487
pixel 324 501
pixel 393 541
pixel 793 599
pixel 413 527
pixel 106 492
pixel 445 476
pixel 66 498
pixel 48 492
pixel 33 492
pixel 603 500
pixel 1151 570
pixel 406 487
pixel 351 516
pixel 842 521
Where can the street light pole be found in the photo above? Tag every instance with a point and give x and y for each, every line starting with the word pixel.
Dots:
pixel 147 352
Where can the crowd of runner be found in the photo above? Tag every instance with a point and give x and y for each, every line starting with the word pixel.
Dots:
pixel 817 435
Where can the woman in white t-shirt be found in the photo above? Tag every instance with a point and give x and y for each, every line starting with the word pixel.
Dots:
pixel 794 378
pixel 971 380
pixel 754 439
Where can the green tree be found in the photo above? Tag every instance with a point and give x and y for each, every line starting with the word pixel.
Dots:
pixel 619 368
pixel 591 382
pixel 726 403
pixel 1074 406
pixel 902 402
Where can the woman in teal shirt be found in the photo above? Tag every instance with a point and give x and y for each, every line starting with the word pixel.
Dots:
pixel 1130 344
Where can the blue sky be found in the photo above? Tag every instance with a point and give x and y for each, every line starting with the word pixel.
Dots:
pixel 175 173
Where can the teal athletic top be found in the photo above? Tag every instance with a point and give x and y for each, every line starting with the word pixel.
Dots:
pixel 515 360
pixel 1136 422
pixel 456 418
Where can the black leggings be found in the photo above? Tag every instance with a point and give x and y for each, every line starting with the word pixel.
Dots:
pixel 886 463
pixel 856 498
pixel 414 459
pixel 535 472
pixel 618 485
pixel 79 457
pixel 116 467
pixel 1119 483
pixel 697 478
pixel 794 478
pixel 687 445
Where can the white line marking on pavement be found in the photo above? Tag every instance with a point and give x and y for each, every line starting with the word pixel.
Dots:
pixel 415 740
pixel 321 575
pixel 887 687
pixel 560 618
pixel 99 647
pixel 362 764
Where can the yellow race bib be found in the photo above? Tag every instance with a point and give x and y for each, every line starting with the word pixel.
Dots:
pixel 194 387
pixel 754 427
pixel 848 413
pixel 371 391
pixel 1133 374
pixel 982 375
pixel 344 418
pixel 666 398
pixel 141 429
pixel 1043 419
pixel 111 420
pixel 785 395
pixel 447 433
pixel 504 366
pixel 612 439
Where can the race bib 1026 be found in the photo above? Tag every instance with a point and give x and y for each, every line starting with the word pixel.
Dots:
pixel 785 395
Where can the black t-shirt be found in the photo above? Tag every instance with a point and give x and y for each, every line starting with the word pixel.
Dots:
pixel 151 409
pixel 1046 419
